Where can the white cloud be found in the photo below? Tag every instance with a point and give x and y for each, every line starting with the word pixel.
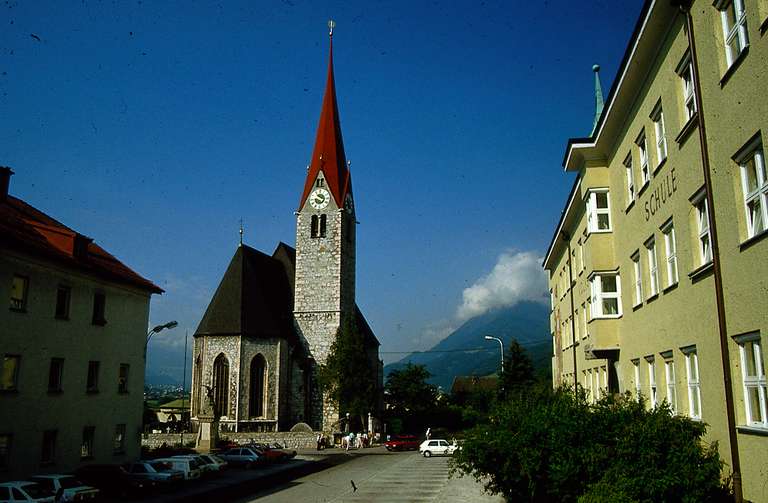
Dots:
pixel 517 276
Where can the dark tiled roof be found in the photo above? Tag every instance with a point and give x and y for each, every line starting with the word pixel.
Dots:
pixel 468 384
pixel 26 229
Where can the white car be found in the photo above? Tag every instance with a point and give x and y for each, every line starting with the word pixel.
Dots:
pixel 71 488
pixel 437 447
pixel 23 490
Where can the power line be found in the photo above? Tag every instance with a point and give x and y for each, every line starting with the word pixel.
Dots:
pixel 466 350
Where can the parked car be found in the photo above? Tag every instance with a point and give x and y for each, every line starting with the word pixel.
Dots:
pixel 267 454
pixel 162 474
pixel 215 461
pixel 23 490
pixel 112 480
pixel 71 488
pixel 287 453
pixel 188 466
pixel 241 456
pixel 402 443
pixel 203 464
pixel 437 447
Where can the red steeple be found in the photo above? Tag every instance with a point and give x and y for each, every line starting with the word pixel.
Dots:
pixel 328 154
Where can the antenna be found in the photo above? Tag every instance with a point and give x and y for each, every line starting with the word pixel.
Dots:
pixel 331 26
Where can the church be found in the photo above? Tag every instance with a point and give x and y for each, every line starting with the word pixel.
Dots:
pixel 273 318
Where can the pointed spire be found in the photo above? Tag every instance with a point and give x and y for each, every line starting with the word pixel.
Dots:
pixel 328 154
pixel 598 98
pixel 241 232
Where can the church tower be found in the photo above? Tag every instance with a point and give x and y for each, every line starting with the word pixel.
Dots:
pixel 325 246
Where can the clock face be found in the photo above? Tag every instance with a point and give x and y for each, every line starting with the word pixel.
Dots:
pixel 319 198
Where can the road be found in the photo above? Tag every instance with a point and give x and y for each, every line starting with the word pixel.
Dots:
pixel 381 477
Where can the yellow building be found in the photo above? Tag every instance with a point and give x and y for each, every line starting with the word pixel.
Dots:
pixel 666 290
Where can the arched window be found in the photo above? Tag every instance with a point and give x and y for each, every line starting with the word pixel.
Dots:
pixel 258 393
pixel 322 226
pixel 221 385
pixel 197 378
pixel 314 226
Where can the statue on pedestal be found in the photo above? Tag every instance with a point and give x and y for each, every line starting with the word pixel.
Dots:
pixel 208 434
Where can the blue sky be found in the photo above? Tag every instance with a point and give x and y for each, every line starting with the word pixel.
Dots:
pixel 154 127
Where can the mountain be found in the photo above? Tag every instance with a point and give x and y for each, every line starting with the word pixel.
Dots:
pixel 165 365
pixel 528 322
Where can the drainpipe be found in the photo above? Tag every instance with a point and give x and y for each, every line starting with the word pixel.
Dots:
pixel 567 238
pixel 717 270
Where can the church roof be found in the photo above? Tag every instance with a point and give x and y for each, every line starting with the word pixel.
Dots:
pixel 328 154
pixel 253 299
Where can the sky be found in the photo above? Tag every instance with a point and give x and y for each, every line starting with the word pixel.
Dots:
pixel 155 127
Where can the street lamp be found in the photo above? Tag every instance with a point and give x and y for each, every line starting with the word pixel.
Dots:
pixel 160 328
pixel 501 345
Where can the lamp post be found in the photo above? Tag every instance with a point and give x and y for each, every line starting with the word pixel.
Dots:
pixel 160 328
pixel 501 345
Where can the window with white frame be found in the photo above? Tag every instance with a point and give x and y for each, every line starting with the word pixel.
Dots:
pixel 638 278
pixel 652 391
pixel 606 295
pixel 669 375
pixel 638 387
pixel 754 183
pixel 753 376
pixel 661 134
pixel 702 223
pixel 599 211
pixel 653 265
pixel 694 386
pixel 685 71
pixel 630 179
pixel 642 146
pixel 734 19
pixel 670 248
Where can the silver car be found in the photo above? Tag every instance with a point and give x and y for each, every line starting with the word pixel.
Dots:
pixel 241 456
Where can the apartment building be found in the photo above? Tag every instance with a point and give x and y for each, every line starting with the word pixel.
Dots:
pixel 658 267
pixel 72 346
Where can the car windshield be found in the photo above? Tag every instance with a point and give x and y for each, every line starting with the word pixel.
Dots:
pixel 160 466
pixel 69 482
pixel 44 482
pixel 36 491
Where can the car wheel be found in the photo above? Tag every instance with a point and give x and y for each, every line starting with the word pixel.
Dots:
pixel 427 454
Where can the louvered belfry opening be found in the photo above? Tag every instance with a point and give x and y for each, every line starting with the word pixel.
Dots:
pixel 221 385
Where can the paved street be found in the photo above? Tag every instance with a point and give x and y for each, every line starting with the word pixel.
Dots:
pixel 379 476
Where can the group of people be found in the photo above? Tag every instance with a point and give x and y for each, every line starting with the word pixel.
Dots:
pixel 322 441
pixel 355 441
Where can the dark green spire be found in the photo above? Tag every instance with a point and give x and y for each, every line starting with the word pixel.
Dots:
pixel 598 98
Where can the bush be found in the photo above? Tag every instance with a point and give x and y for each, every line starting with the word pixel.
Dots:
pixel 552 445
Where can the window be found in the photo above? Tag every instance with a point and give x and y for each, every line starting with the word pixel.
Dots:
pixel 642 147
pixel 584 321
pixel 606 296
pixel 653 266
pixel 694 388
pixel 669 374
pixel 702 222
pixel 638 278
pixel 55 373
pixel 119 440
pixel 671 252
pixel 322 225
pixel 19 290
pixel 630 179
pixel 92 382
pixel 122 378
pixel 63 294
pixel 755 186
pixel 257 393
pixel 99 304
pixel 86 447
pixel 685 70
pixel 661 134
pixel 5 450
pixel 320 182
pixel 598 211
pixel 581 256
pixel 48 452
pixel 313 226
pixel 638 387
pixel 753 375
pixel 652 391
pixel 734 29
pixel 9 374
pixel 221 385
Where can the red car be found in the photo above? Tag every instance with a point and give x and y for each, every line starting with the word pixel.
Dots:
pixel 402 443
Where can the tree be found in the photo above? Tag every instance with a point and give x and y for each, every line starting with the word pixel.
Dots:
pixel 517 373
pixel 347 378
pixel 407 390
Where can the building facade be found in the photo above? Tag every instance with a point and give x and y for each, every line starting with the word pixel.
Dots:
pixel 273 319
pixel 658 268
pixel 66 396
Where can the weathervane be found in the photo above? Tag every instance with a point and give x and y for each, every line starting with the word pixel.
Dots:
pixel 331 26
pixel 241 232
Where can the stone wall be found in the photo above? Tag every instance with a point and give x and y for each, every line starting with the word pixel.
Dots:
pixel 292 440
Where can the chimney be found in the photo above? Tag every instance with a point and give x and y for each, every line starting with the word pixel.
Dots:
pixel 5 182
pixel 80 247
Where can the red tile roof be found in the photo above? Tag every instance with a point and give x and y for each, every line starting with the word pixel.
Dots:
pixel 328 154
pixel 27 229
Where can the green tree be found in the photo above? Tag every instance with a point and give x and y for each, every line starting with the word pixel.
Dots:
pixel 518 373
pixel 407 390
pixel 347 378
